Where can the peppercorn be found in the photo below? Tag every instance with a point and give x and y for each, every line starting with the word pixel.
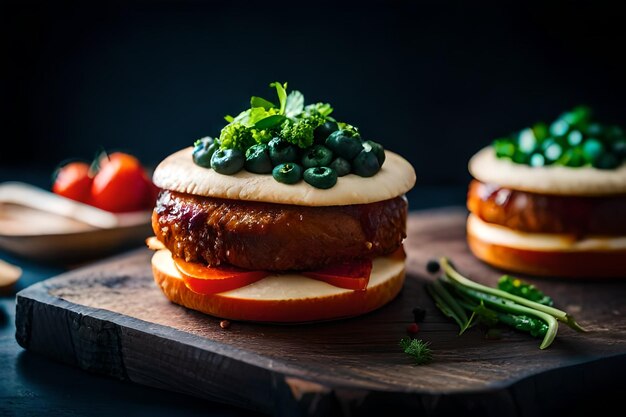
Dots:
pixel 433 266
pixel 224 324
pixel 419 314
pixel 412 328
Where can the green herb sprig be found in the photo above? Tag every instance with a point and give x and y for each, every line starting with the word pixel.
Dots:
pixel 417 349
pixel 456 295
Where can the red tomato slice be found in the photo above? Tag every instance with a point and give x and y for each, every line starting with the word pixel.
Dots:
pixel 353 275
pixel 215 279
pixel 73 181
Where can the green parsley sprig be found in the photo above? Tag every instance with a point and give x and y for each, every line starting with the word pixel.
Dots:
pixel 290 119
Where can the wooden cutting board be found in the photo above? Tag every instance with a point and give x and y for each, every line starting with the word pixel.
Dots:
pixel 110 318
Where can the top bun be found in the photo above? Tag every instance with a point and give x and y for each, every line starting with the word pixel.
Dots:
pixel 555 180
pixel 177 172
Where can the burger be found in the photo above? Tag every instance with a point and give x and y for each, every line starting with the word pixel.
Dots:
pixel 550 200
pixel 287 216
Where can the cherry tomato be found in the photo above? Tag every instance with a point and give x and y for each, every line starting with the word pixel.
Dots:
pixel 354 275
pixel 121 184
pixel 215 279
pixel 73 181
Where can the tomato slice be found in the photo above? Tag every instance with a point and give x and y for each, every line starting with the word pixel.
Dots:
pixel 353 275
pixel 201 279
pixel 207 280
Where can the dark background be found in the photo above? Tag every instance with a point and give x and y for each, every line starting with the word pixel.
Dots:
pixel 434 81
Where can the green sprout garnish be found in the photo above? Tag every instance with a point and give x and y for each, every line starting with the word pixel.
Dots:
pixel 416 349
pixel 527 310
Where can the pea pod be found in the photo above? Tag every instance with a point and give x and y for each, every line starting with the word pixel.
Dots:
pixel 459 279
pixel 516 286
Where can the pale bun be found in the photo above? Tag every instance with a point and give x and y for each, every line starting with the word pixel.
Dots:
pixel 179 173
pixel 555 180
pixel 546 256
pixel 287 298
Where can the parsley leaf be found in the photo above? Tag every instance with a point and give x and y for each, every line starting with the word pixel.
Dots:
pixel 282 95
pixel 295 104
pixel 261 102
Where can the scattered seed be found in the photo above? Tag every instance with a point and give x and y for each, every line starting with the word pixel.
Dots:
pixel 432 266
pixel 224 324
pixel 413 328
pixel 419 314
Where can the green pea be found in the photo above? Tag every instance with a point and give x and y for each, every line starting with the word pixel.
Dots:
pixel 537 160
pixel 505 148
pixel 341 166
pixel 366 163
pixel 578 117
pixel 203 151
pixel 320 177
pixel 540 130
pixel 287 173
pixel 378 150
pixel 606 161
pixel 592 149
pixel 619 148
pixel 553 152
pixel 526 141
pixel 559 128
pixel 316 156
pixel 322 132
pixel 572 158
pixel 282 151
pixel 614 133
pixel 227 161
pixel 595 130
pixel 574 138
pixel 343 145
pixel 258 159
pixel 520 157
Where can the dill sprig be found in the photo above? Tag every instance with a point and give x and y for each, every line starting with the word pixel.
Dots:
pixel 416 349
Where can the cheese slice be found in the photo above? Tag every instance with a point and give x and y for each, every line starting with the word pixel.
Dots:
pixel 503 236
pixel 292 286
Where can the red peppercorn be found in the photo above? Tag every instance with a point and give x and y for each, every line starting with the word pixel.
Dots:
pixel 224 324
pixel 413 328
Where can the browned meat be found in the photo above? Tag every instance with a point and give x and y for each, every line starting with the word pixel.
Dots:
pixel 541 213
pixel 276 237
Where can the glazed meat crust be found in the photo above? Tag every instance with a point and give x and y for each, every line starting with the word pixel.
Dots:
pixel 276 237
pixel 540 213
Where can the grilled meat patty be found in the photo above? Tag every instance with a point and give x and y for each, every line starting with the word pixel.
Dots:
pixel 541 213
pixel 276 237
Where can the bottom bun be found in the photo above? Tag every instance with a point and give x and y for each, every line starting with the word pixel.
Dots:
pixel 529 253
pixel 284 298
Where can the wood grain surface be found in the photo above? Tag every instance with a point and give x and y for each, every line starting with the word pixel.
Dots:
pixel 111 318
